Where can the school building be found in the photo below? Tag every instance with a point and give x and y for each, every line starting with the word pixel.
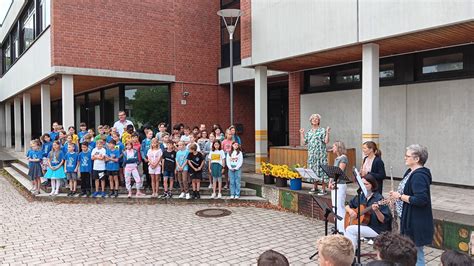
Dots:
pixel 397 72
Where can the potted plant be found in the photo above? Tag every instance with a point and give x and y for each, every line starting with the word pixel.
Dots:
pixel 280 172
pixel 295 178
pixel 266 169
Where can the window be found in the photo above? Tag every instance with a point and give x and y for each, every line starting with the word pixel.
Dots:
pixel 348 76
pixel 387 71
pixel 319 80
pixel 147 104
pixel 443 63
pixel 44 14
pixel 225 42
pixel 28 28
pixel 15 45
pixel 7 60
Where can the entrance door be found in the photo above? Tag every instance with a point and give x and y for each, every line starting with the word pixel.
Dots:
pixel 278 116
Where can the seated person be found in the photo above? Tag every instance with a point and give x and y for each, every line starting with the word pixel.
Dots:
pixel 335 250
pixel 380 217
pixel 272 258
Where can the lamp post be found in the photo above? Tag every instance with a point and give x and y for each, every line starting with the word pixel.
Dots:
pixel 231 18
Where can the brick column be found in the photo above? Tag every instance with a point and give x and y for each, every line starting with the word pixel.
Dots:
pixel 295 86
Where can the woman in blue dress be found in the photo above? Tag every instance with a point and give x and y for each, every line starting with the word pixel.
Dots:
pixel 55 170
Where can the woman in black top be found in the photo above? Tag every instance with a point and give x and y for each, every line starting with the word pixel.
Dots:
pixel 380 216
pixel 373 164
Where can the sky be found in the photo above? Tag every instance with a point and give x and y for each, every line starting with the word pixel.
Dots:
pixel 4 5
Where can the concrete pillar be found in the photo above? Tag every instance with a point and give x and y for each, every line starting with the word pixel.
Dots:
pixel 97 116
pixel 2 125
pixel 17 115
pixel 67 95
pixel 45 109
pixel 8 125
pixel 261 117
pixel 370 92
pixel 27 119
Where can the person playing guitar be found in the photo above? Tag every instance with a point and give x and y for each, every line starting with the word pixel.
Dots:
pixel 377 218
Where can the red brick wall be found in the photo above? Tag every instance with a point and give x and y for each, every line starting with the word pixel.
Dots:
pixel 295 85
pixel 176 37
pixel 246 26
pixel 210 105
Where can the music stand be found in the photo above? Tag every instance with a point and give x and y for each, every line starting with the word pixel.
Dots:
pixel 337 174
pixel 326 211
pixel 361 189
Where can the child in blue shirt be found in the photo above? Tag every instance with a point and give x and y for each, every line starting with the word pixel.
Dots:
pixel 146 144
pixel 85 169
pixel 82 132
pixel 112 157
pixel 35 156
pixel 182 169
pixel 55 170
pixel 70 168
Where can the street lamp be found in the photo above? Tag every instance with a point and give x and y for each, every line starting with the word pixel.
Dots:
pixel 231 18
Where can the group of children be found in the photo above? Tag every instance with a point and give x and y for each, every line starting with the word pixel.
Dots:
pixel 186 155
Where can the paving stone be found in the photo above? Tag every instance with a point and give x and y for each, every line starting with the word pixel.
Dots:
pixel 40 232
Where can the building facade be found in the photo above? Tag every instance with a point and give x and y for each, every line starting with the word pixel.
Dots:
pixel 82 61
pixel 397 72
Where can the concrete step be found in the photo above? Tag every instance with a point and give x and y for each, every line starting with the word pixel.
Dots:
pixel 23 170
pixel 203 191
pixel 24 181
pixel 20 173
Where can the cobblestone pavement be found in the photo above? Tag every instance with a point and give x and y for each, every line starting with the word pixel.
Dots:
pixel 51 233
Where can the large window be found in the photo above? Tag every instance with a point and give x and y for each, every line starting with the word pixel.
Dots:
pixel 7 59
pixel 44 14
pixel 31 23
pixel 146 104
pixel 28 27
pixel 15 45
pixel 225 42
pixel 441 64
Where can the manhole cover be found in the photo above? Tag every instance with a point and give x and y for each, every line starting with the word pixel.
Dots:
pixel 213 213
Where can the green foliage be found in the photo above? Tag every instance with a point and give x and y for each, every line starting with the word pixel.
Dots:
pixel 150 105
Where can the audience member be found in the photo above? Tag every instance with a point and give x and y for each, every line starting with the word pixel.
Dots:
pixel 335 250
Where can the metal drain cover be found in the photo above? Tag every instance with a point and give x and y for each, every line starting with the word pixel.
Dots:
pixel 213 213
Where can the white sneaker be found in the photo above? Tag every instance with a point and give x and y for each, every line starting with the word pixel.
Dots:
pixel 370 242
pixel 213 196
pixel 237 197
pixel 181 196
pixel 210 186
pixel 232 197
pixel 219 195
pixel 56 192
pixel 188 196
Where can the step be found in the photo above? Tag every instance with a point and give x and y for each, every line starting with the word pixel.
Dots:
pixel 20 168
pixel 123 198
pixel 24 181
pixel 19 172
pixel 203 191
pixel 23 161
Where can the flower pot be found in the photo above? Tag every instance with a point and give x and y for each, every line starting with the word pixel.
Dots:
pixel 281 182
pixel 295 184
pixel 268 179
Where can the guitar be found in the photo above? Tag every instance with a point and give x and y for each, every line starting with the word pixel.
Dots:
pixel 364 214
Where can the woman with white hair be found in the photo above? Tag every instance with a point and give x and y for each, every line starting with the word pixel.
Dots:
pixel 316 138
pixel 413 200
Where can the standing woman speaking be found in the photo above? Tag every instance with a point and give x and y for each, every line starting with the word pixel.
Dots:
pixel 316 138
pixel 413 200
